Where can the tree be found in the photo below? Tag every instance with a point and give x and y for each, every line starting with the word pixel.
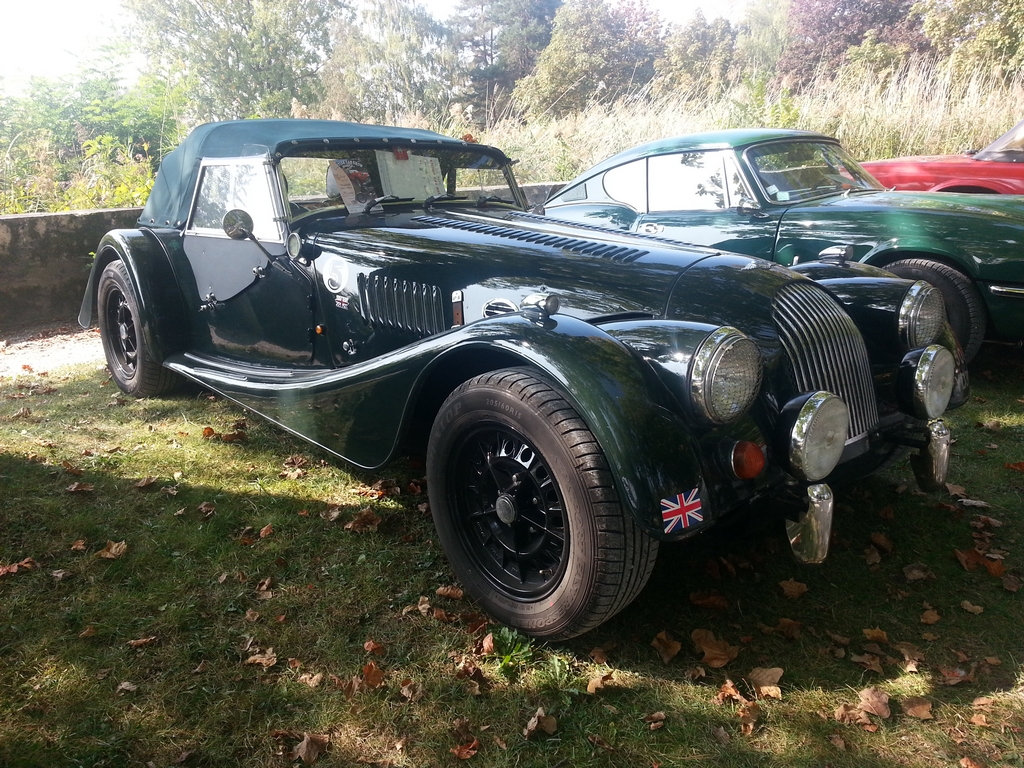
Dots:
pixel 762 36
pixel 976 33
pixel 597 53
pixel 398 61
pixel 241 58
pixel 697 57
pixel 824 30
pixel 500 42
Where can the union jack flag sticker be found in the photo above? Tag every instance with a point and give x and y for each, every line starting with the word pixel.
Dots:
pixel 681 511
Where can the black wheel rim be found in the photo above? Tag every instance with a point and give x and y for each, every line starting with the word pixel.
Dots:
pixel 509 512
pixel 121 336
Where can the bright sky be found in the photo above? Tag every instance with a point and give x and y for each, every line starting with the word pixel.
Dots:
pixel 50 38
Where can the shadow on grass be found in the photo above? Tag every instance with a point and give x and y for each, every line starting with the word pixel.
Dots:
pixel 196 582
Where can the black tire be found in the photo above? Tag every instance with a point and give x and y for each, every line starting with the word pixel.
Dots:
pixel 964 307
pixel 526 508
pixel 131 364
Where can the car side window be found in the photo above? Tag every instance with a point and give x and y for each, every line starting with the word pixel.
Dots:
pixel 245 185
pixel 688 181
pixel 628 184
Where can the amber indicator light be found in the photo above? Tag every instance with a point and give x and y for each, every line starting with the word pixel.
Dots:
pixel 747 460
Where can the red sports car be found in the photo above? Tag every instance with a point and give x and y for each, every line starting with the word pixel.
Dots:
pixel 996 169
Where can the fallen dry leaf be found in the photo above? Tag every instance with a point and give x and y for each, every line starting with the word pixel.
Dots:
pixel 80 488
pixel 729 692
pixel 113 550
pixel 451 592
pixel 141 642
pixel 717 653
pixel 126 687
pixel 540 722
pixel 718 734
pixel 597 741
pixel 875 701
pixel 930 616
pixel 882 541
pixel 792 589
pixel 1012 583
pixel 373 676
pixel 266 659
pixel 666 646
pixel 917 572
pixel 310 679
pixel 78 546
pixel 869 661
pixel 979 719
pixel 765 682
pixel 595 684
pixel 365 521
pixel 599 656
pixel 372 646
pixel 466 751
pixel 875 635
pixel 837 741
pixel 967 762
pixel 310 748
pixel 656 720
pixel 872 556
pixel 971 608
pixel 851 715
pixel 266 530
pixel 918 706
pixel 749 714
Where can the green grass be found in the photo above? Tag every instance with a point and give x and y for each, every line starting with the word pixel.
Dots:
pixel 189 580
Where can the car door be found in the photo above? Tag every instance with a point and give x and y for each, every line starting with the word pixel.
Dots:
pixel 254 302
pixel 701 197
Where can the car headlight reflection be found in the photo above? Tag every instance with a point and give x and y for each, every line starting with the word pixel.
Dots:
pixel 924 382
pixel 922 313
pixel 725 375
pixel 817 426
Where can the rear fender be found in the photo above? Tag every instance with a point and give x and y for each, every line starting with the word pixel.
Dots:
pixel 162 314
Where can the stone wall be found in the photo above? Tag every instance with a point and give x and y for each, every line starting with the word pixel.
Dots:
pixel 45 260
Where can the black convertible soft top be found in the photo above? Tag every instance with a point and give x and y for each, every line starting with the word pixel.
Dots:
pixel 171 195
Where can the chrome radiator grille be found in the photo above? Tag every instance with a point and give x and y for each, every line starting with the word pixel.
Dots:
pixel 826 351
pixel 401 305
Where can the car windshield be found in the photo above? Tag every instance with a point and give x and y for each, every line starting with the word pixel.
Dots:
pixel 791 171
pixel 363 181
pixel 1010 142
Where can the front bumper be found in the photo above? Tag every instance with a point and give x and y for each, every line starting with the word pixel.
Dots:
pixel 931 464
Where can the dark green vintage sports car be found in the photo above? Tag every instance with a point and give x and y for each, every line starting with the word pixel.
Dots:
pixel 582 396
pixel 793 196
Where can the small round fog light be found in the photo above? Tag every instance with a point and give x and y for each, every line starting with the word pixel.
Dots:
pixel 818 426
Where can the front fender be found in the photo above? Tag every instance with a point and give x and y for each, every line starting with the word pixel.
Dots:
pixel 650 449
pixel 161 311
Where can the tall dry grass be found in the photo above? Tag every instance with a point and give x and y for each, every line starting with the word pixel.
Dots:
pixel 919 109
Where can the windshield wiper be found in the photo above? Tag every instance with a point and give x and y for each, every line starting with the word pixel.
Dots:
pixel 439 199
pixel 375 203
pixel 484 200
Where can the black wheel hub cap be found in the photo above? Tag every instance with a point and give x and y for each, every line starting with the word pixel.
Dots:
pixel 510 512
pixel 122 326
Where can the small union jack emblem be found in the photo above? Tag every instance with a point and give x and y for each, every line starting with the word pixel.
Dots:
pixel 681 511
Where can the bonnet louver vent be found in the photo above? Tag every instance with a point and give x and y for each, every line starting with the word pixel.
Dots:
pixel 575 245
pixel 401 305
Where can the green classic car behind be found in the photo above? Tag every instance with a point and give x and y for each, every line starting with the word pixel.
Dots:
pixel 795 196
pixel 582 397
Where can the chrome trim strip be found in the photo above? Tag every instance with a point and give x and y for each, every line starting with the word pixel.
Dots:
pixel 1005 290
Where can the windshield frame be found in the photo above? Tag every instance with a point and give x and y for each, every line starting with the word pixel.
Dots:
pixel 324 205
pixel 855 179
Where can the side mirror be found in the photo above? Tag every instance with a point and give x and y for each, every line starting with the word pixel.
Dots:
pixel 237 224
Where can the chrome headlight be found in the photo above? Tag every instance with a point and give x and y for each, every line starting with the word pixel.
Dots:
pixel 924 382
pixel 922 313
pixel 725 375
pixel 817 426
